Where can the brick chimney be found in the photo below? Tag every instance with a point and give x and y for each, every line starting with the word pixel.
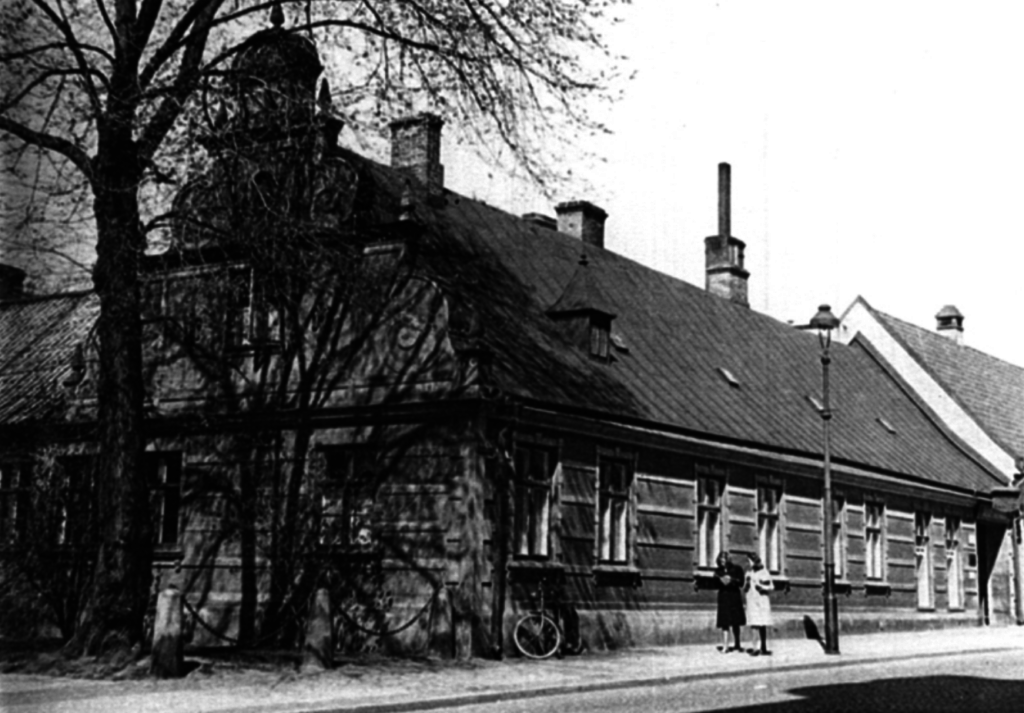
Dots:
pixel 416 148
pixel 950 322
pixel 723 253
pixel 583 220
pixel 12 281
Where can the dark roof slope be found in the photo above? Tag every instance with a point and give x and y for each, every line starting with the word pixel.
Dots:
pixel 511 271
pixel 502 274
pixel 989 389
pixel 37 340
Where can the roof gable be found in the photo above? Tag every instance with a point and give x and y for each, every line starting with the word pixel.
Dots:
pixel 989 389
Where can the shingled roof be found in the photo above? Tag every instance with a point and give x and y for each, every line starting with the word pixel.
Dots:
pixel 38 337
pixel 989 389
pixel 695 363
pixel 681 342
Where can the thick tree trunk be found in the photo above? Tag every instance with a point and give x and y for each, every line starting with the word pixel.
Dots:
pixel 112 618
pixel 290 575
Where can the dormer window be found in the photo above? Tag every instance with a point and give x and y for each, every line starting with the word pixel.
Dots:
pixel 585 314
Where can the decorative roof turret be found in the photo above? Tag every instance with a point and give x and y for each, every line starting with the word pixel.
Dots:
pixel 272 146
pixel 276 56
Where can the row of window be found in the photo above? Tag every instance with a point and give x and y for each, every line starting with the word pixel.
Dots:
pixel 234 313
pixel 536 470
pixel 349 497
pixel 63 505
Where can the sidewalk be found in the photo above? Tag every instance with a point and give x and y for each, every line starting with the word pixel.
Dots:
pixel 409 686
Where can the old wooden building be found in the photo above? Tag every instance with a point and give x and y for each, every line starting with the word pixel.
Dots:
pixel 363 381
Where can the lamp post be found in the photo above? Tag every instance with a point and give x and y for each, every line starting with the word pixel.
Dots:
pixel 824 322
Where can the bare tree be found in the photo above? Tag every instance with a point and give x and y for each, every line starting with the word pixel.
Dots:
pixel 107 86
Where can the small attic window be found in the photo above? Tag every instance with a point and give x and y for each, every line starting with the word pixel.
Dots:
pixel 600 336
pixel 816 403
pixel 886 425
pixel 728 376
pixel 619 342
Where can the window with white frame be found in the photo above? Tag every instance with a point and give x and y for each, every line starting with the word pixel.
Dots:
pixel 954 564
pixel 923 559
pixel 839 536
pixel 534 487
pixel 709 520
pixel 769 539
pixel 613 503
pixel 163 472
pixel 874 547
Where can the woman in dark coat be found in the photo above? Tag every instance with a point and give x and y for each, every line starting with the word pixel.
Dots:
pixel 731 616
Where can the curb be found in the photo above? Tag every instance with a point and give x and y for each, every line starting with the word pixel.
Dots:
pixel 526 694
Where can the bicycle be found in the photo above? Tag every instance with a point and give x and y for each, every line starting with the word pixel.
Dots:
pixel 539 635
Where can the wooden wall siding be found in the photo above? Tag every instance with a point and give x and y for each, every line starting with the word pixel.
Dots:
pixel 579 503
pixel 416 504
pixel 665 491
pixel 665 530
pixel 900 563
pixel 900 570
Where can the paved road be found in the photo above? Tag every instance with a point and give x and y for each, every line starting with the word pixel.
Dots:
pixel 976 683
pixel 954 669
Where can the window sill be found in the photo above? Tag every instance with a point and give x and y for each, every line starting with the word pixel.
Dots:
pixel 780 583
pixel 531 571
pixel 877 589
pixel 705 579
pixel 617 575
pixel 842 586
pixel 165 554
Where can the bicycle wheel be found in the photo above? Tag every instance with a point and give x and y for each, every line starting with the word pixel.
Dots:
pixel 537 636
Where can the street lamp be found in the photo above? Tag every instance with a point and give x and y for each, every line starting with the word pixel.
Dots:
pixel 824 322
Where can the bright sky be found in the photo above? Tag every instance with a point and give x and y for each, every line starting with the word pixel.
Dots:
pixel 877 149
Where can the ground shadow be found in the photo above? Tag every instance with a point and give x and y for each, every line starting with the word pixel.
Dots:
pixel 927 694
pixel 811 631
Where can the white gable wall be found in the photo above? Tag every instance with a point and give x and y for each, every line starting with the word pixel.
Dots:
pixel 859 320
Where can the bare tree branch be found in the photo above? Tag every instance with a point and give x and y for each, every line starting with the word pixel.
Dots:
pixel 52 143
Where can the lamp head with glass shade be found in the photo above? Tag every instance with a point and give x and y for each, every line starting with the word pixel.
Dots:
pixel 824 322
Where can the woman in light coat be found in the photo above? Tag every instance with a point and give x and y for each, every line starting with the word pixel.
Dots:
pixel 757 587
